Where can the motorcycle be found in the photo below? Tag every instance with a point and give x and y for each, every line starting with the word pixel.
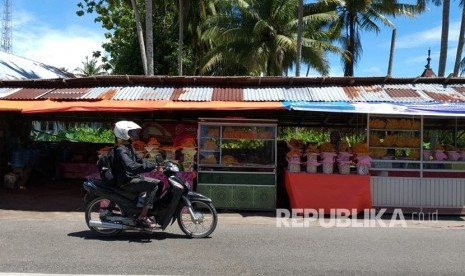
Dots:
pixel 110 210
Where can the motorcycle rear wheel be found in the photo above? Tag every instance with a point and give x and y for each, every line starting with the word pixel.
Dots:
pixel 97 210
pixel 206 221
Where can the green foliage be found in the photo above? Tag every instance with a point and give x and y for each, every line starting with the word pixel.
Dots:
pixel 242 144
pixel 122 44
pixel 77 134
pixel 319 135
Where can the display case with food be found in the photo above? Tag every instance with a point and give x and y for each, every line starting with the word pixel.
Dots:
pixel 237 162
pixel 394 141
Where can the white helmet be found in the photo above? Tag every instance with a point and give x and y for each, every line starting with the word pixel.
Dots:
pixel 122 129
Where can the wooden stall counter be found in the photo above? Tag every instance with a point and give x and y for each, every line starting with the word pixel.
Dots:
pixel 328 191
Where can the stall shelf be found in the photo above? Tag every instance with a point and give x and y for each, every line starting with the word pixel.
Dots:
pixel 406 174
pixel 237 162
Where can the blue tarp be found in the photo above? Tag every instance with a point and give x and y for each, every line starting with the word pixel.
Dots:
pixel 434 109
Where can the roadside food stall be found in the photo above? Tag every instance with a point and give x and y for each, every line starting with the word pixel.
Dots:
pixel 242 163
pixel 415 156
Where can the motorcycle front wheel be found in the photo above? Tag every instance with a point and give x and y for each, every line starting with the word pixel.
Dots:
pixel 100 210
pixel 204 222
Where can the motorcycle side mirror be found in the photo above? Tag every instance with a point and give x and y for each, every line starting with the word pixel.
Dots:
pixel 159 158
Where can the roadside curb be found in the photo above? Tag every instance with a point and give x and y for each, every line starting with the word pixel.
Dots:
pixel 458 223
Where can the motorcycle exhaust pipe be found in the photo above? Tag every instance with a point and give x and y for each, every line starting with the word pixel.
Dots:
pixel 98 223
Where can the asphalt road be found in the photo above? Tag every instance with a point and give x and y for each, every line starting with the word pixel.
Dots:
pixel 60 243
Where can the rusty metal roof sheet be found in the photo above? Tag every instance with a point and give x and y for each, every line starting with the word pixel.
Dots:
pixel 227 94
pixel 101 93
pixel 65 93
pixel 28 94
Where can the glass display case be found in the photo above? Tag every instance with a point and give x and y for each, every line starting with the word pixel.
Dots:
pixel 237 162
pixel 395 142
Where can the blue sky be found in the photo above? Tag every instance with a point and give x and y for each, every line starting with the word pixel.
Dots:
pixel 49 31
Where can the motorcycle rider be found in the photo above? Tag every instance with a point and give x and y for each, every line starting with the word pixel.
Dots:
pixel 128 169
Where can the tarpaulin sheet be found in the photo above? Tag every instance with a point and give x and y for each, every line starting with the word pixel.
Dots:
pixel 434 109
pixel 49 106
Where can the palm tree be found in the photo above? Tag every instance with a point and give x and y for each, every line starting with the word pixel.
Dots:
pixel 181 35
pixel 444 38
pixel 259 38
pixel 149 36
pixel 140 35
pixel 90 68
pixel 362 15
pixel 300 15
pixel 460 44
pixel 191 16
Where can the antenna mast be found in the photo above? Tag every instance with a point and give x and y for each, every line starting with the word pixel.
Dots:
pixel 6 27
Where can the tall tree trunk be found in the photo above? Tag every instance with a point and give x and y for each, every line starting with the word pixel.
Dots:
pixel 149 35
pixel 140 36
pixel 458 57
pixel 444 37
pixel 349 65
pixel 181 36
pixel 300 14
pixel 391 53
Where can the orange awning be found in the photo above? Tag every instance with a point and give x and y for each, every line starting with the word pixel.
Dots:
pixel 49 106
pixel 98 106
pixel 15 105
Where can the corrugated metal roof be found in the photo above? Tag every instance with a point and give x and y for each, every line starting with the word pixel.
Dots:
pixel 368 94
pixel 297 94
pixel 228 94
pixel 328 94
pixel 204 89
pixel 65 93
pixel 7 91
pixel 27 94
pixel 193 94
pixel 265 94
pixel 101 93
pixel 157 94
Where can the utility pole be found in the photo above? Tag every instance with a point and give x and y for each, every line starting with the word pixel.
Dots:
pixel 6 27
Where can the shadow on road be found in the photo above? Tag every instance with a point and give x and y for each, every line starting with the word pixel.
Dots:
pixel 128 236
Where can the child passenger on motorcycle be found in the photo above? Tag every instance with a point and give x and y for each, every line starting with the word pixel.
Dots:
pixel 128 169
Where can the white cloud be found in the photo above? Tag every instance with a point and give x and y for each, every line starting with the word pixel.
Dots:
pixel 428 37
pixel 66 47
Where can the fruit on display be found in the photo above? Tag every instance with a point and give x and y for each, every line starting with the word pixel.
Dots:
pixel 312 148
pixel 209 159
pixel 229 160
pixel 389 140
pixel 360 149
pixel 377 123
pixel 414 154
pixel 375 141
pixel 378 153
pixel 327 147
pixel 210 145
pixel 213 132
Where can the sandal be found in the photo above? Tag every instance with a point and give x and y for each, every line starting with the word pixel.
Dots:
pixel 146 222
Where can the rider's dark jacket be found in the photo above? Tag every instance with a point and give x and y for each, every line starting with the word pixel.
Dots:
pixel 127 165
